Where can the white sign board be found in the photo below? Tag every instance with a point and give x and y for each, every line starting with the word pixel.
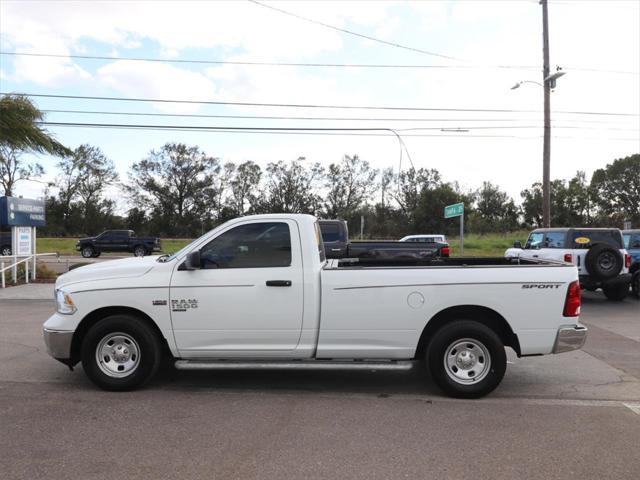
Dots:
pixel 24 241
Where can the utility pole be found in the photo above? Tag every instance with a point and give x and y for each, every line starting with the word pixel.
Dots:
pixel 546 147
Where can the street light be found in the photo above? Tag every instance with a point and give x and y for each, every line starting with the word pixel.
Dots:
pixel 549 83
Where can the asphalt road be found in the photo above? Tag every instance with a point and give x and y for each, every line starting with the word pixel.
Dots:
pixel 574 415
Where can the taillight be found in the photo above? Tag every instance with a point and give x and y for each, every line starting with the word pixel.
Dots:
pixel 572 303
pixel 627 260
pixel 445 251
pixel 568 258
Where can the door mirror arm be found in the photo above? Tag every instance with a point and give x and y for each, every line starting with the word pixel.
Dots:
pixel 192 262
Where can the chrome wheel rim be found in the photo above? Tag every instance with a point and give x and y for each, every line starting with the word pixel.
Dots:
pixel 5 252
pixel 139 252
pixel 467 361
pixel 118 355
pixel 87 252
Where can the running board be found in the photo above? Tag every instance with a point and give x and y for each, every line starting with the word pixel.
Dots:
pixel 293 365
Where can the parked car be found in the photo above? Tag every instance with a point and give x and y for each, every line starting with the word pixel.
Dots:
pixel 258 292
pixel 425 238
pixel 118 241
pixel 598 253
pixel 335 235
pixel 5 243
pixel 632 244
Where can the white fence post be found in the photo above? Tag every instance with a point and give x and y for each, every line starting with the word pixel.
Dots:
pixel 2 268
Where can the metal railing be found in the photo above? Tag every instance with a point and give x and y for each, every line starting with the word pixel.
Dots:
pixel 13 265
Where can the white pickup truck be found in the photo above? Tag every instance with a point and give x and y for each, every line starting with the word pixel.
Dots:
pixel 257 292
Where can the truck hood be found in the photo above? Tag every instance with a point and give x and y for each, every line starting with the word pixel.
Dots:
pixel 108 270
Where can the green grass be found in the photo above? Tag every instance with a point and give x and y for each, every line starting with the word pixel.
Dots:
pixel 490 245
pixel 474 245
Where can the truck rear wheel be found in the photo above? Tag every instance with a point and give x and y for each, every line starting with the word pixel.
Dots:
pixel 120 353
pixel 616 292
pixel 466 359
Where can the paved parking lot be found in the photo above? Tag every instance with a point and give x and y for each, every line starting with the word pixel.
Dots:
pixel 574 415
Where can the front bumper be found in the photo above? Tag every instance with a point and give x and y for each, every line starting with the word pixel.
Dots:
pixel 570 337
pixel 58 344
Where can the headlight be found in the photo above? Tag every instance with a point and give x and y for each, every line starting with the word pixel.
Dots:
pixel 64 304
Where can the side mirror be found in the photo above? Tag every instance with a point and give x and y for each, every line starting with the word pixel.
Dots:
pixel 517 244
pixel 192 261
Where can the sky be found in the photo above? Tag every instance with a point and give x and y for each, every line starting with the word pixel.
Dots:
pixel 470 53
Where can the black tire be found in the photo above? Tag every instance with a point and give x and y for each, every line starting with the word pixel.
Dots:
pixel 442 347
pixel 87 251
pixel 603 261
pixel 139 251
pixel 5 250
pixel 616 292
pixel 591 289
pixel 95 254
pixel 145 343
pixel 635 284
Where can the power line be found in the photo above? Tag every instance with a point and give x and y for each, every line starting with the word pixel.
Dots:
pixel 294 130
pixel 339 119
pixel 295 105
pixel 356 34
pixel 267 64
pixel 313 65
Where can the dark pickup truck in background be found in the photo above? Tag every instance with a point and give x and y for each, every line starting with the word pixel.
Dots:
pixel 118 241
pixel 335 236
pixel 5 243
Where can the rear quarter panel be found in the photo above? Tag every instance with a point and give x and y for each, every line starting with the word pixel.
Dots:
pixel 381 312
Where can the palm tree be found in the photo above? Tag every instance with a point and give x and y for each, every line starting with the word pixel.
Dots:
pixel 20 132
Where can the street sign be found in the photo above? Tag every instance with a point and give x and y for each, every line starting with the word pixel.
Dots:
pixel 23 212
pixel 454 210
pixel 457 210
pixel 24 241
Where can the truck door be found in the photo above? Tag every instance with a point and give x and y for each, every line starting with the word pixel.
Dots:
pixel 247 298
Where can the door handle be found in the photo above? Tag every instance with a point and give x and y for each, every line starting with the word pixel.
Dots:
pixel 278 283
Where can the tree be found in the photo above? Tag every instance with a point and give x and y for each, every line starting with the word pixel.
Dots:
pixel 245 188
pixel 292 187
pixel 177 185
pixel 495 210
pixel 616 189
pixel 20 133
pixel 350 185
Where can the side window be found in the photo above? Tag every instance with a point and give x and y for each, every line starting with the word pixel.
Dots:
pixel 534 241
pixel 320 241
pixel 105 237
pixel 330 232
pixel 255 245
pixel 554 240
pixel 589 238
pixel 635 242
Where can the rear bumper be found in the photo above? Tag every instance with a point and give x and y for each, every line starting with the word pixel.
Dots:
pixel 570 337
pixel 58 344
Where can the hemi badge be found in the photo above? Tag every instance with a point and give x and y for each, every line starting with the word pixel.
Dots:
pixel 159 302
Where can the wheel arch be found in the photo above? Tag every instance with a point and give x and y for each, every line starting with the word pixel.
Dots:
pixel 478 313
pixel 95 316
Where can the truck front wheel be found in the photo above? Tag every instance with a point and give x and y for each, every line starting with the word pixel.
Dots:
pixel 139 251
pixel 466 359
pixel 87 252
pixel 635 284
pixel 120 353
